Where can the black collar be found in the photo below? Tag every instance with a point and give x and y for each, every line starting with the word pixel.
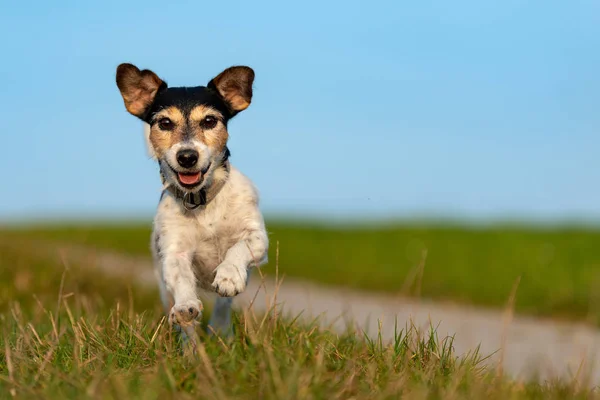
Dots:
pixel 193 200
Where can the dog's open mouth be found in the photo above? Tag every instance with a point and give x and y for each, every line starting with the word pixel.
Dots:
pixel 189 179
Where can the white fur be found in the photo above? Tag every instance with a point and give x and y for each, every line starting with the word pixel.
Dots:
pixel 211 248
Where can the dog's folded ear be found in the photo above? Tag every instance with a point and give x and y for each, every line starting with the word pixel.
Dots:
pixel 235 87
pixel 138 88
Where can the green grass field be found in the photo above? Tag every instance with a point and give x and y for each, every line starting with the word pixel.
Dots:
pixel 68 332
pixel 559 268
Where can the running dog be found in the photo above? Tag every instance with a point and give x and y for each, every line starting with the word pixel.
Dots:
pixel 208 231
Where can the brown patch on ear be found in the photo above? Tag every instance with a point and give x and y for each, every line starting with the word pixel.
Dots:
pixel 138 88
pixel 235 86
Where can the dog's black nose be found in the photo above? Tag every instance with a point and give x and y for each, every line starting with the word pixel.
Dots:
pixel 187 158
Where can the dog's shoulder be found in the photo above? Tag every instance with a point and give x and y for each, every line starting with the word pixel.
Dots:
pixel 241 188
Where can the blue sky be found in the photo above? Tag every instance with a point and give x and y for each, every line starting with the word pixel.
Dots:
pixel 464 108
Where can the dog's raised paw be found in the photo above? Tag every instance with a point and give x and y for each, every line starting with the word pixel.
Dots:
pixel 229 280
pixel 186 313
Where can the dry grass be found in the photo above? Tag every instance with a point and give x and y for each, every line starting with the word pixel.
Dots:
pixel 70 333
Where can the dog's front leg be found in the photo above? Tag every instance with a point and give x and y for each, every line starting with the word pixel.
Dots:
pixel 180 281
pixel 232 274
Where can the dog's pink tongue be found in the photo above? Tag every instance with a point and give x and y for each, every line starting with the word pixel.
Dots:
pixel 189 179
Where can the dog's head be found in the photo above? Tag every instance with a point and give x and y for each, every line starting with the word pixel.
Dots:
pixel 187 125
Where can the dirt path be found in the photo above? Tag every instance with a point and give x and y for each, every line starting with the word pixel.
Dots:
pixel 529 348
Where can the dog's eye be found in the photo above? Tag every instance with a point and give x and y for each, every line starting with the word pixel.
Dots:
pixel 165 124
pixel 208 122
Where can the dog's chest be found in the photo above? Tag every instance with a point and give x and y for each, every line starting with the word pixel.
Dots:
pixel 212 238
pixel 214 234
